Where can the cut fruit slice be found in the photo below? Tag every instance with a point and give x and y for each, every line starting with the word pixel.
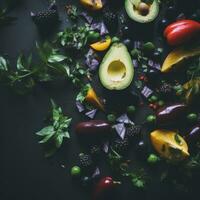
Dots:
pixel 169 145
pixel 92 4
pixel 101 45
pixel 177 56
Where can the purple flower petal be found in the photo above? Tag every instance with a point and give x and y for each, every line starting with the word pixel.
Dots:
pixel 88 18
pixel 135 63
pixel 80 106
pixel 96 173
pixel 156 66
pixel 106 147
pixel 91 114
pixel 91 61
pixel 146 92
pixel 120 129
pixel 137 44
pixel 101 27
pixel 150 63
pixel 124 119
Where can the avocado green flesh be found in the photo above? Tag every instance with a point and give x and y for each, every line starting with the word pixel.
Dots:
pixel 116 70
pixel 131 9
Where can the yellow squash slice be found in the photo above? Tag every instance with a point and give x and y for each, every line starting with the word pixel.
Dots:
pixel 169 145
pixel 92 4
pixel 177 56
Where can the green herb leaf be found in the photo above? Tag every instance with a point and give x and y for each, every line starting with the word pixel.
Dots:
pixel 54 134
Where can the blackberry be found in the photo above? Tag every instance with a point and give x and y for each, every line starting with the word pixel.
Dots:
pixel 133 132
pixel 46 17
pixel 95 150
pixel 121 145
pixel 110 19
pixel 166 89
pixel 85 160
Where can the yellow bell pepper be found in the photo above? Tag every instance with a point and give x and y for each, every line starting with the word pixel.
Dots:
pixel 177 56
pixel 169 145
pixel 92 4
pixel 101 45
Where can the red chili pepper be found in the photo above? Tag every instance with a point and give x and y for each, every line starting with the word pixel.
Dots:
pixel 181 32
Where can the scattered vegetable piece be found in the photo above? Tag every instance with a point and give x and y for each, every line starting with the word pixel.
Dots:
pixel 169 145
pixel 101 45
pixel 181 32
pixel 92 4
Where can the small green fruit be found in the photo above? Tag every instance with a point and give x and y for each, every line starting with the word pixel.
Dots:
pixel 115 39
pixel 192 117
pixel 149 47
pixel 111 118
pixel 153 98
pixel 151 118
pixel 135 53
pixel 152 159
pixel 75 171
pixel 131 109
pixel 161 103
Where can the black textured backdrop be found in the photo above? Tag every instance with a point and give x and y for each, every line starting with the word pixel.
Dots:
pixel 24 172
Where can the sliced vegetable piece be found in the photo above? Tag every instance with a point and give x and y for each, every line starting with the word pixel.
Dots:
pixel 92 4
pixel 177 56
pixel 169 145
pixel 89 95
pixel 101 45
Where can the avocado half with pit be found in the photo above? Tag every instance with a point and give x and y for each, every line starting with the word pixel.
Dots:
pixel 116 71
pixel 142 11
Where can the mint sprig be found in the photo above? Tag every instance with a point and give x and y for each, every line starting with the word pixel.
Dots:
pixel 52 136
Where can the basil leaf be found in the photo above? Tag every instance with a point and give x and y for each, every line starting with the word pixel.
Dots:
pixel 56 58
pixel 45 131
pixel 3 64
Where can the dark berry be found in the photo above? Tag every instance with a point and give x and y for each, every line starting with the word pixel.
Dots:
pixel 45 17
pixel 133 132
pixel 166 89
pixel 85 160
pixel 95 151
pixel 110 19
pixel 121 145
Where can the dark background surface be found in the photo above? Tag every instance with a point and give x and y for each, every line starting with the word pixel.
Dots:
pixel 24 172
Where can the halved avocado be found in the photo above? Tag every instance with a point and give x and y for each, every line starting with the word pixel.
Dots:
pixel 116 70
pixel 140 11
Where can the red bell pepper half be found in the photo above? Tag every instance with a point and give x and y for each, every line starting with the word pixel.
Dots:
pixel 181 32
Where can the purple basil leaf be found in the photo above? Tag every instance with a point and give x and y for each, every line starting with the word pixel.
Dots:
pixel 80 106
pixel 101 27
pixel 96 173
pixel 135 63
pixel 91 61
pixel 124 119
pixel 91 114
pixel 87 18
pixel 146 92
pixel 150 63
pixel 120 129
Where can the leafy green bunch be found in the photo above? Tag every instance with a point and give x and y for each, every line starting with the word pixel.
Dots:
pixel 52 136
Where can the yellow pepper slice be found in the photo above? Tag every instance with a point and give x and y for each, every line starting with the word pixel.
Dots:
pixel 101 45
pixel 169 145
pixel 177 56
pixel 92 4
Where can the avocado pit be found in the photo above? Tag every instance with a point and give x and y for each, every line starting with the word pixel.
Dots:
pixel 116 71
pixel 143 8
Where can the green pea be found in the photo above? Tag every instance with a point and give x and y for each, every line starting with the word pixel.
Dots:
pixel 161 103
pixel 115 39
pixel 192 117
pixel 151 118
pixel 153 98
pixel 111 118
pixel 152 159
pixel 75 171
pixel 93 35
pixel 179 92
pixel 149 47
pixel 131 109
pixel 135 53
